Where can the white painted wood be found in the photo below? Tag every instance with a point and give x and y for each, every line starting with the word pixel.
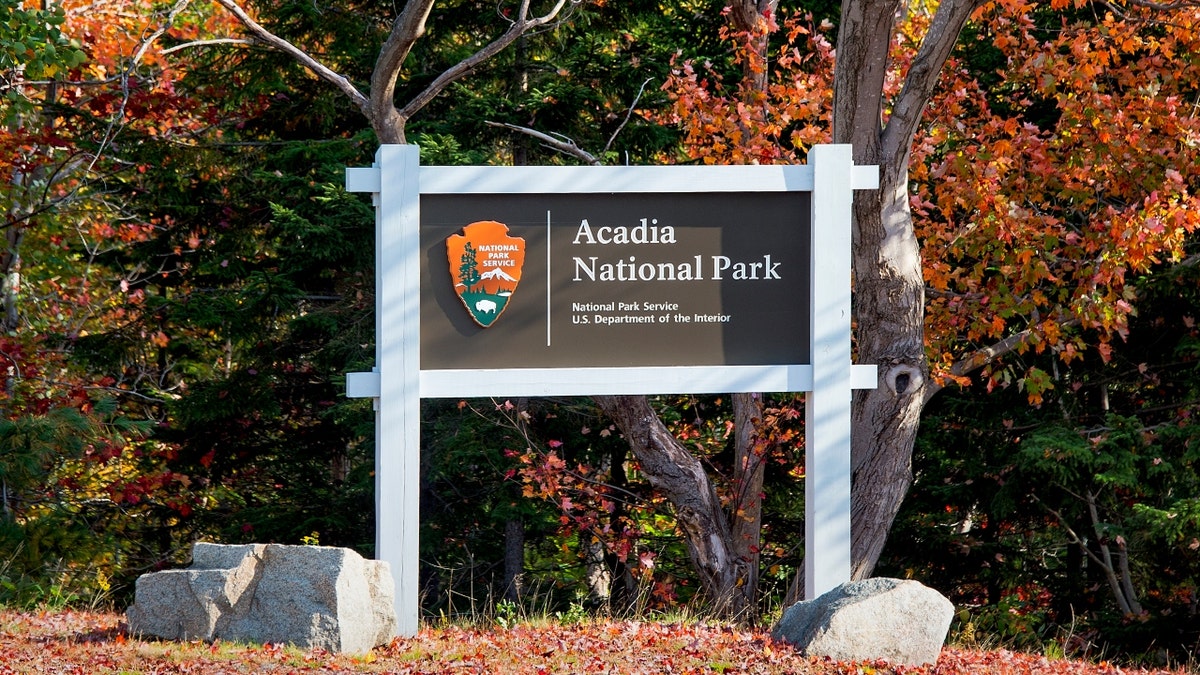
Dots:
pixel 612 179
pixel 632 381
pixel 515 180
pixel 827 406
pixel 363 385
pixel 864 376
pixel 397 331
pixel 362 179
pixel 865 178
pixel 614 381
pixel 580 179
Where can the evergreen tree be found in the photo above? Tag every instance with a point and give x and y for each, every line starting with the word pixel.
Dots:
pixel 468 270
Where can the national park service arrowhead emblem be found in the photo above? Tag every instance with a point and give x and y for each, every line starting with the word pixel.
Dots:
pixel 485 266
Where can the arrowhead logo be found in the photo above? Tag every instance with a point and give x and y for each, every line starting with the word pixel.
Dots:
pixel 485 267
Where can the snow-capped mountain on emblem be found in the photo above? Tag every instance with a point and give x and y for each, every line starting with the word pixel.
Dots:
pixel 496 274
pixel 485 268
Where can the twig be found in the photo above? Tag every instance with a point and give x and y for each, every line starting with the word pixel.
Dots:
pixel 628 114
pixel 1105 563
pixel 111 132
pixel 564 145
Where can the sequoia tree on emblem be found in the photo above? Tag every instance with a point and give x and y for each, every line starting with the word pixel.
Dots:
pixel 485 267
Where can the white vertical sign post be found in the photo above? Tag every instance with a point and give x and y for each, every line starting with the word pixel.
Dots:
pixel 395 382
pixel 398 382
pixel 827 405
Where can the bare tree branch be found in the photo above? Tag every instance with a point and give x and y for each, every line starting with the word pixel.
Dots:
pixel 180 5
pixel 563 145
pixel 569 146
pixel 111 131
pixel 628 114
pixel 1126 595
pixel 922 76
pixel 276 42
pixel 985 355
pixel 408 28
pixel 982 357
pixel 1158 6
pixel 379 106
pixel 1164 6
pixel 205 43
pixel 523 24
pixel 864 36
pixel 1105 563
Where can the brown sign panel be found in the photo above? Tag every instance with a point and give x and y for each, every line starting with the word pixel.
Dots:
pixel 619 280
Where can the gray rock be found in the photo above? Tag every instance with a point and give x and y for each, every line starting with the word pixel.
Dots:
pixel 901 621
pixel 308 596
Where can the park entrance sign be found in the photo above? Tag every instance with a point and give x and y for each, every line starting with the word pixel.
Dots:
pixel 558 281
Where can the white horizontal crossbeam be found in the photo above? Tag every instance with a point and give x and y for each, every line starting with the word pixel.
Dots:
pixel 609 179
pixel 611 381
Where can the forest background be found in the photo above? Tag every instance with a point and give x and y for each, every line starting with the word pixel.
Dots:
pixel 185 283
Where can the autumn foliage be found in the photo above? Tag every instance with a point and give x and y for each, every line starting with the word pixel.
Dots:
pixel 1053 177
pixel 1058 160
pixel 1040 201
pixel 86 89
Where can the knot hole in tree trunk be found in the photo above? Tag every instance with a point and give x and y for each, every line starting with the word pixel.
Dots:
pixel 904 379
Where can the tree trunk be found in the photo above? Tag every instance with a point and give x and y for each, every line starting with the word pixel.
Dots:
pixel 724 548
pixel 890 311
pixel 750 16
pixel 745 517
pixel 622 587
pixel 10 278
pixel 889 285
pixel 673 471
pixel 596 572
pixel 889 293
pixel 514 559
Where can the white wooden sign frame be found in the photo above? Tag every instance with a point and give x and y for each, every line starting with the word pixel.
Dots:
pixel 397 383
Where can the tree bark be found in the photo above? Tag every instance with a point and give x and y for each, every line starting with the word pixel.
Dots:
pixel 596 572
pixel 514 559
pixel 622 586
pixel 745 517
pixel 888 281
pixel 750 17
pixel 678 475
pixel 724 548
pixel 10 278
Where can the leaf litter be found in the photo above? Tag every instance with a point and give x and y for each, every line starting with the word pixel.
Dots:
pixel 94 643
